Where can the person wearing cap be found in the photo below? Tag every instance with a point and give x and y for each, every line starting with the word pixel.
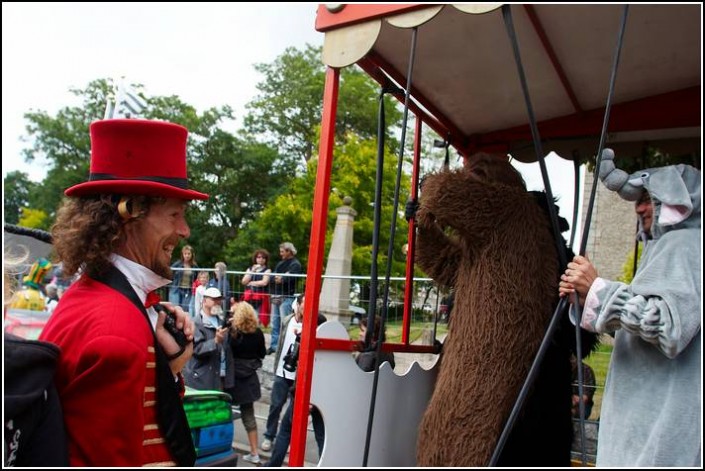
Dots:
pixel 211 366
pixel 119 374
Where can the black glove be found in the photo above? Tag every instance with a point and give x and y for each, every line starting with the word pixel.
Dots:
pixel 410 211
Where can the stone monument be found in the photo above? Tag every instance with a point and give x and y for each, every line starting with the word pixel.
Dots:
pixel 335 292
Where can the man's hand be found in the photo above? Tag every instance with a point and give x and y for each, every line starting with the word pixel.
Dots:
pixel 220 334
pixel 578 278
pixel 167 342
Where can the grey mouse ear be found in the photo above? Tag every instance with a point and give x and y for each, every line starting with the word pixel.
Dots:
pixel 667 186
pixel 617 180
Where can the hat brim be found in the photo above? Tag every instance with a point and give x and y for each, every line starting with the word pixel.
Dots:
pixel 133 187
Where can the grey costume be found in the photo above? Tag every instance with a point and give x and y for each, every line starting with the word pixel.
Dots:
pixel 651 410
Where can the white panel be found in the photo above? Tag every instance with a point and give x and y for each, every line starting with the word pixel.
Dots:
pixel 476 8
pixel 345 46
pixel 414 18
pixel 341 390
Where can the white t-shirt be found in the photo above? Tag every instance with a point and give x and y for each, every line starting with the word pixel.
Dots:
pixel 292 328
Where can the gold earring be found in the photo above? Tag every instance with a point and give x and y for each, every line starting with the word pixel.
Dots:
pixel 123 210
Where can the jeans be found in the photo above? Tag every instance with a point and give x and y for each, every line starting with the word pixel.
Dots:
pixel 280 391
pixel 281 444
pixel 180 297
pixel 279 313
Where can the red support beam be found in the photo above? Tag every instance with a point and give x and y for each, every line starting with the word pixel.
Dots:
pixel 349 346
pixel 319 224
pixel 411 238
pixel 548 47
pixel 678 109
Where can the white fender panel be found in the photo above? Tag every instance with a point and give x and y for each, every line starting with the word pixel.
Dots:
pixel 342 391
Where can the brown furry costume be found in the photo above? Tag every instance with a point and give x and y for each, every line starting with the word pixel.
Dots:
pixel 502 261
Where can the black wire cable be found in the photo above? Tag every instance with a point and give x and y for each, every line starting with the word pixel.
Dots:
pixel 577 310
pixel 576 199
pixel 38 234
pixel 390 249
pixel 506 11
pixel 636 251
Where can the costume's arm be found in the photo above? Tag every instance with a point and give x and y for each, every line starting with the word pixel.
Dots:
pixel 437 254
pixel 612 305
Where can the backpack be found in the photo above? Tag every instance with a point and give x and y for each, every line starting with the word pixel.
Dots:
pixel 34 426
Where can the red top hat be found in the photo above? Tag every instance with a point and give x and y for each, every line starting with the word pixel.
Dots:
pixel 137 157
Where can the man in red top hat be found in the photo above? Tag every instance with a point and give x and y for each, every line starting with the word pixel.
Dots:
pixel 119 374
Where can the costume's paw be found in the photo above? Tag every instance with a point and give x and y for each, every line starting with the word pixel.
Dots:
pixel 410 211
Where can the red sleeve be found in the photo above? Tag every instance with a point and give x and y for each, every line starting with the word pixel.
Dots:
pixel 108 389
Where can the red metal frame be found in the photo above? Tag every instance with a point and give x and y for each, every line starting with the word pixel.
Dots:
pixel 315 268
pixel 678 109
pixel 538 27
pixel 350 346
pixel 309 342
pixel 668 110
pixel 411 240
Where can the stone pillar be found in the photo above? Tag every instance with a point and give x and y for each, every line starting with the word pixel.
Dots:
pixel 335 292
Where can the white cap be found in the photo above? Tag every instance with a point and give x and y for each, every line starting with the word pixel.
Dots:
pixel 212 292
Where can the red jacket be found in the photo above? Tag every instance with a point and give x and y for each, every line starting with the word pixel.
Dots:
pixel 106 378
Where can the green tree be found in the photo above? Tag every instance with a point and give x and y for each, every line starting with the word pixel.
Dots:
pixel 34 218
pixel 239 173
pixel 628 267
pixel 287 112
pixel 17 190
pixel 288 217
pixel 62 144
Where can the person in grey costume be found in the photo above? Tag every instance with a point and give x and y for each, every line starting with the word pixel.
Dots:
pixel 651 409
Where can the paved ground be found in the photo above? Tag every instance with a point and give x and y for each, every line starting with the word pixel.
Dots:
pixel 242 446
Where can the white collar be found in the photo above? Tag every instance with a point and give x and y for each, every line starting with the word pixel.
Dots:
pixel 142 279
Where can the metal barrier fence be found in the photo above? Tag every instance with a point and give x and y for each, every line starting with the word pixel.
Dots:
pixel 427 299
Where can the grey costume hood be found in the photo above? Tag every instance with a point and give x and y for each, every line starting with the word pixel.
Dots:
pixel 675 192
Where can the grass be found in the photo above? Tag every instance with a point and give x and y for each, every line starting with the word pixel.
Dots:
pixel 394 330
pixel 599 361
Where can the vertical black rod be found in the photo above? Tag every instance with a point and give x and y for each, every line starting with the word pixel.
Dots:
pixel 533 371
pixel 390 251
pixel 577 310
pixel 603 134
pixel 576 200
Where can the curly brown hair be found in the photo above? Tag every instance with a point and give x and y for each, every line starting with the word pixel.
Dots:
pixel 264 253
pixel 89 229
